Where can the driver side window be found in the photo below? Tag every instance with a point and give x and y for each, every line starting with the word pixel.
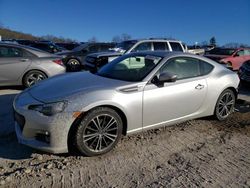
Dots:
pixel 182 67
pixel 240 53
pixel 10 52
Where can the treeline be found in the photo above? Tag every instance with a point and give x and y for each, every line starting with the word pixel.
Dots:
pixel 10 34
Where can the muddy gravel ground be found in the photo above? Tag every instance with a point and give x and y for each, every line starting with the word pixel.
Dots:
pixel 197 153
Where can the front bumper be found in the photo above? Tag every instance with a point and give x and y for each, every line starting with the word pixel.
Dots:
pixel 31 126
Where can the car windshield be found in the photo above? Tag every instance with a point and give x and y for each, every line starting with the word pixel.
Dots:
pixel 79 48
pixel 132 68
pixel 125 45
pixel 222 51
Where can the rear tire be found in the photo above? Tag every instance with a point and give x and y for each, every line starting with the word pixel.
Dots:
pixel 73 65
pixel 98 132
pixel 32 77
pixel 225 105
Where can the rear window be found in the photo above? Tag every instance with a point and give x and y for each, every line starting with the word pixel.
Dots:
pixel 160 46
pixel 176 46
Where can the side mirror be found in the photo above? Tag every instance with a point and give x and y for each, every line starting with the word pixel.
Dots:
pixel 167 77
pixel 164 77
pixel 236 55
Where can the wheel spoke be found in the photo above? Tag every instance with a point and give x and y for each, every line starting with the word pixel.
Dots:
pixel 110 136
pixel 98 143
pixel 105 141
pixel 96 124
pixel 92 142
pixel 89 137
pixel 91 128
pixel 221 112
pixel 230 102
pixel 110 123
pixel 112 129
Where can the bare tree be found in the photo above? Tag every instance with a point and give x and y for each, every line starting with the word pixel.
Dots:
pixel 125 36
pixel 93 39
pixel 116 39
pixel 235 45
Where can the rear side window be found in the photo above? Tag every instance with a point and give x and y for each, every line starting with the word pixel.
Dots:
pixel 160 46
pixel 206 68
pixel 10 52
pixel 176 46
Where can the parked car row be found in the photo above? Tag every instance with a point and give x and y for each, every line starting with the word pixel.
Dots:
pixel 96 60
pixel 232 58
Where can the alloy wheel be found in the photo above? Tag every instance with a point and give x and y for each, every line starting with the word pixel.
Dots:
pixel 100 133
pixel 226 104
pixel 34 78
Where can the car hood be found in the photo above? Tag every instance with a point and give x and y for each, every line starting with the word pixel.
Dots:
pixel 63 86
pixel 105 54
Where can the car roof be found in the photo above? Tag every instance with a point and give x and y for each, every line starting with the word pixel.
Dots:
pixel 162 54
pixel 36 51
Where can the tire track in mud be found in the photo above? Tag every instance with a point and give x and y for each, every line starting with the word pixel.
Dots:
pixel 198 153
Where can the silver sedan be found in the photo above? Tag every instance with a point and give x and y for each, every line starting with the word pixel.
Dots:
pixel 21 65
pixel 135 92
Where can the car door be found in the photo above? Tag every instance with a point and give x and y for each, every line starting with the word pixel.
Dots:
pixel 176 100
pixel 13 63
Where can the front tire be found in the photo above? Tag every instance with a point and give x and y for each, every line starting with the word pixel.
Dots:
pixel 98 132
pixel 225 105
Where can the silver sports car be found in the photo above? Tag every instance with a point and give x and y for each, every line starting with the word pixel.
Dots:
pixel 135 92
pixel 22 65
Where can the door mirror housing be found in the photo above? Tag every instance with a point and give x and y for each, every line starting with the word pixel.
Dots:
pixel 167 77
pixel 164 77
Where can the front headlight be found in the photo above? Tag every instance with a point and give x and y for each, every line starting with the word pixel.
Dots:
pixel 49 109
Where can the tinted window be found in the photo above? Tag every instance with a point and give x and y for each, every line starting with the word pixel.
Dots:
pixel 205 67
pixel 145 46
pixel 93 48
pixel 176 46
pixel 10 52
pixel 160 46
pixel 182 67
pixel 104 47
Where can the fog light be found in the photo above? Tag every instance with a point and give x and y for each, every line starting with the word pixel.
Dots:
pixel 43 137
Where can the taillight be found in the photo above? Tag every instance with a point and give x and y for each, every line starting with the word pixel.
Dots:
pixel 58 61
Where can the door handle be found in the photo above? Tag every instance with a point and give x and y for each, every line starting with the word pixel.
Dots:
pixel 23 60
pixel 199 86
